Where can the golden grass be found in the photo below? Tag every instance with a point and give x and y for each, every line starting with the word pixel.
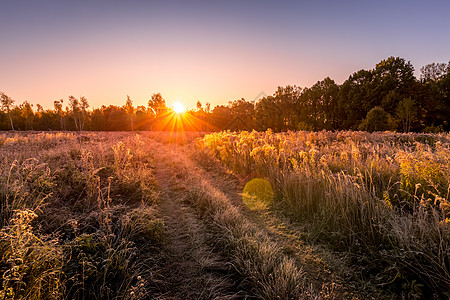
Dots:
pixel 79 213
pixel 262 267
pixel 382 197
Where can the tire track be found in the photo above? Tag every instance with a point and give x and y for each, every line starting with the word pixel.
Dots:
pixel 327 272
pixel 261 268
pixel 191 268
pixel 179 165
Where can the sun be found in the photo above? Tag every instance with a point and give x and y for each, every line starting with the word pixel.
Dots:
pixel 178 107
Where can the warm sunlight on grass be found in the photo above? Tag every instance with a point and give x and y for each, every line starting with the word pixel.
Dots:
pixel 178 107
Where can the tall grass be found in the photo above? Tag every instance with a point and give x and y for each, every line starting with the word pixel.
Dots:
pixel 75 208
pixel 383 197
pixel 265 271
pixel 262 268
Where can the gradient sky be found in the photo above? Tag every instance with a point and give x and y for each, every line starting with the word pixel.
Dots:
pixel 212 51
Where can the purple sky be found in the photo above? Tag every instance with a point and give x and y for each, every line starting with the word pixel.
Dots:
pixel 212 51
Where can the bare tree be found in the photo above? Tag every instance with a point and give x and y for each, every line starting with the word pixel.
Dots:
pixel 7 103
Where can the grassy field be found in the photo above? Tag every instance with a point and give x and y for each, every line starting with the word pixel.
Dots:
pixel 77 216
pixel 160 215
pixel 383 198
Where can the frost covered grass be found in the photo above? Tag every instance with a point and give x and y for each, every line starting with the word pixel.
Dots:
pixel 381 197
pixel 75 210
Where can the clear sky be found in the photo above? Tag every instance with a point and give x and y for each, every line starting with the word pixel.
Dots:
pixel 212 51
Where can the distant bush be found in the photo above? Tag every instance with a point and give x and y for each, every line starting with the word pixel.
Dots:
pixel 377 119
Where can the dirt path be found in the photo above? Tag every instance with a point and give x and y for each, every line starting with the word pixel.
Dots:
pixel 326 271
pixel 280 229
pixel 192 270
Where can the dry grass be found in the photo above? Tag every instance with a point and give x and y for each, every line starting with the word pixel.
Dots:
pixel 260 264
pixel 81 213
pixel 382 197
pixel 75 209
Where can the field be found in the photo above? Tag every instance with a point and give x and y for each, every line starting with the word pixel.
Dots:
pixel 250 215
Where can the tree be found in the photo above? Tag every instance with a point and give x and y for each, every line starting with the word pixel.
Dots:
pixel 117 118
pixel 376 120
pixel 75 111
pixel 330 103
pixel 390 102
pixel 242 110
pixel 199 105
pixel 433 72
pixel 407 113
pixel 365 90
pixel 99 119
pixel 319 105
pixel 208 115
pixel 58 106
pixel 356 98
pixel 84 112
pixel 157 104
pixel 268 114
pixel 78 110
pixel 393 73
pixel 142 118
pixel 221 116
pixel 286 99
pixel 130 112
pixel 444 87
pixel 279 111
pixel 28 115
pixel 435 101
pixel 7 103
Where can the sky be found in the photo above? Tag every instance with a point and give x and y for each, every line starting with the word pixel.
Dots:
pixel 212 51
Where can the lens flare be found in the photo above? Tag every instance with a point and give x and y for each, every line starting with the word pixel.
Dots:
pixel 258 194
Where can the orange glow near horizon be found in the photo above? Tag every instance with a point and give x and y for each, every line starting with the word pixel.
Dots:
pixel 214 53
pixel 179 123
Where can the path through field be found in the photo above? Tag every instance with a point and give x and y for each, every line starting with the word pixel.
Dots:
pixel 192 270
pixel 196 266
pixel 156 215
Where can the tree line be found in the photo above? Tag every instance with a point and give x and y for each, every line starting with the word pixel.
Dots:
pixel 387 97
